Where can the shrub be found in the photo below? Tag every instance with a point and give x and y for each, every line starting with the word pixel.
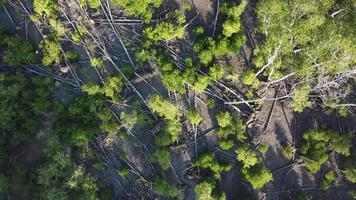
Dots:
pixel 258 177
pixel 248 157
pixel 288 152
pixel 97 62
pixel 208 161
pixel 204 190
pixel 51 52
pixel 226 144
pixel 224 119
pixel 194 117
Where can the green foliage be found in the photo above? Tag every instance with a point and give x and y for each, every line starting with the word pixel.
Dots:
pixel 224 119
pixel 288 152
pixel 328 179
pixel 91 3
pixel 108 122
pixel 263 148
pixel 164 31
pixel 194 117
pixel 163 158
pixel 164 108
pixel 226 144
pixel 51 52
pixel 301 97
pixel 307 45
pixel 124 171
pixel 216 72
pixel 164 188
pixel 258 177
pixel 97 62
pixel 139 8
pixel 208 161
pixel 71 55
pixel 113 85
pixel 2 2
pixel 318 142
pixel 91 88
pixel 232 24
pixel 129 120
pixel 171 114
pixel 18 51
pixel 248 157
pixel 249 78
pixel 48 7
pixel 350 174
pixel 204 190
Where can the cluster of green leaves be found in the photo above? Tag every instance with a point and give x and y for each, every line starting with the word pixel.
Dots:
pixel 252 171
pixel 139 8
pixel 208 161
pixel 163 158
pixel 172 116
pixel 232 24
pixel 194 117
pixel 112 87
pixel 318 142
pixel 51 52
pixel 49 9
pixel 91 3
pixel 132 118
pixel 306 40
pixel 328 179
pixel 257 176
pixel 226 43
pixel 162 187
pixel 229 126
pixel 17 51
pixel 248 157
pixel 205 191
